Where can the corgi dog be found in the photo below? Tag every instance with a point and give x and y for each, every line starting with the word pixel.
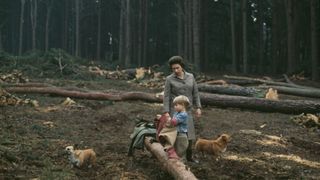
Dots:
pixel 79 158
pixel 272 94
pixel 213 147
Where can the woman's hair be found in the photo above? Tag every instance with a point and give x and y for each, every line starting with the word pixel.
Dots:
pixel 184 100
pixel 176 60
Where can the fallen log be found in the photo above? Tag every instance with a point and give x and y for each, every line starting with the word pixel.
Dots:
pixel 232 90
pixel 173 166
pixel 313 92
pixel 262 81
pixel 284 106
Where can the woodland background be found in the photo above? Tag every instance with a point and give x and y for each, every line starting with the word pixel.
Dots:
pixel 239 36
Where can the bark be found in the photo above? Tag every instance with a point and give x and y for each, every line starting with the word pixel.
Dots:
pixel 128 36
pixel 244 36
pixel 21 26
pixel 145 32
pixel 174 167
pixel 180 27
pixel 233 37
pixel 262 81
pixel 121 33
pixel 284 106
pixel 290 36
pixel 261 38
pixel 266 105
pixel 196 36
pixel 98 53
pixel 314 40
pixel 77 43
pixel 314 93
pixel 49 7
pixel 34 18
pixel 232 90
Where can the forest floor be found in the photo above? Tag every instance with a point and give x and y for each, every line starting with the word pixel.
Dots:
pixel 32 141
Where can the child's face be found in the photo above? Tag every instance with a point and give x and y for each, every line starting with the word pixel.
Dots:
pixel 179 107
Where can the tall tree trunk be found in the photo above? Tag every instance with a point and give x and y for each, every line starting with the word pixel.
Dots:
pixel 145 31
pixel 314 40
pixel 33 15
pixel 275 36
pixel 291 36
pixel 99 31
pixel 122 33
pixel 205 35
pixel 1 45
pixel 49 7
pixel 77 43
pixel 233 37
pixel 65 26
pixel 128 35
pixel 244 36
pixel 180 27
pixel 140 34
pixel 196 36
pixel 21 26
pixel 261 37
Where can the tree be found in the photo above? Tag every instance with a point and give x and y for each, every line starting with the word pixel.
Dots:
pixel 290 35
pixel 21 26
pixel 98 30
pixel 77 22
pixel 314 40
pixel 233 37
pixel 34 18
pixel 128 35
pixel 244 36
pixel 48 15
pixel 196 36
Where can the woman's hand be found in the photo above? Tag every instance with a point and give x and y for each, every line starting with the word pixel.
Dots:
pixel 198 112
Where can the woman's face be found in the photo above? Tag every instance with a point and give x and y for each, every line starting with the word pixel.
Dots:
pixel 177 69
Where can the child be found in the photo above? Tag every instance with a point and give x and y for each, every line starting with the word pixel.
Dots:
pixel 180 120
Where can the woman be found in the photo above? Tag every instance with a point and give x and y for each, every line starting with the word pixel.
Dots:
pixel 178 83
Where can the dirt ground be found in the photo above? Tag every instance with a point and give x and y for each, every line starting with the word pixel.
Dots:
pixel 32 141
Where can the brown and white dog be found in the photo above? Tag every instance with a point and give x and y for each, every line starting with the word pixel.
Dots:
pixel 80 158
pixel 213 147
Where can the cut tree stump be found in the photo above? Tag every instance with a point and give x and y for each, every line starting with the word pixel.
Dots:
pixel 259 104
pixel 173 166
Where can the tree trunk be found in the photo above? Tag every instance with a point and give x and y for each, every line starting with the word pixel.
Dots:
pixel 291 36
pixel 314 40
pixel 174 167
pixel 304 92
pixel 34 18
pixel 49 7
pixel 196 36
pixel 180 27
pixel 205 35
pixel 285 106
pixel 121 33
pixel 98 53
pixel 275 36
pixel 77 43
pixel 233 37
pixel 128 35
pixel 244 36
pixel 261 37
pixel 145 32
pixel 21 26
pixel 232 90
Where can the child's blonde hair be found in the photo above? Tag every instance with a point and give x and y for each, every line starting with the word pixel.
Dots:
pixel 184 100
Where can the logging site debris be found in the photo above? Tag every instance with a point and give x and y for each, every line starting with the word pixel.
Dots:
pixel 274 123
